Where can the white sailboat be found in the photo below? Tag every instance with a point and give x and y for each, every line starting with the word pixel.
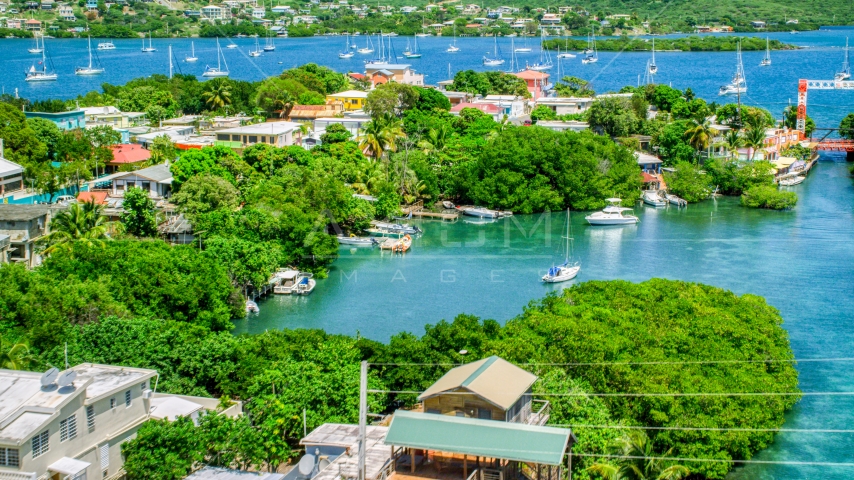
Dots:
pixel 496 59
pixel 217 71
pixel 42 75
pixel 652 67
pixel 91 69
pixel 257 51
pixel 414 53
pixel 453 46
pixel 766 61
pixel 525 48
pixel 270 46
pixel 192 57
pixel 592 54
pixel 107 45
pixel 568 269
pixel 589 49
pixel 369 47
pixel 545 62
pixel 346 53
pixel 738 84
pixel 566 53
pixel 150 48
pixel 234 45
pixel 845 73
pixel 37 48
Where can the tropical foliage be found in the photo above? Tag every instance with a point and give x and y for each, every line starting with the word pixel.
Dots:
pixel 82 222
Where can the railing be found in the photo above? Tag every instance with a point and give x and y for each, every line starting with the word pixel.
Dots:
pixel 542 415
pixel 486 474
pixel 117 476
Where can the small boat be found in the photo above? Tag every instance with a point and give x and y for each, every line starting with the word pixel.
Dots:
pixel 766 61
pixel 452 48
pixel 257 51
pixel 612 215
pixel 545 62
pixel 252 307
pixel 385 229
pixel 150 48
pixel 448 205
pixel 738 84
pixel 234 45
pixel 652 197
pixel 414 52
pixel 791 181
pixel 674 200
pixel 592 55
pixel 91 69
pixel 269 47
pixel 567 270
pixel 845 73
pixel 346 53
pixel 479 212
pixel 292 282
pixel 106 46
pixel 192 57
pixel 357 241
pixel 566 53
pixel 398 245
pixel 652 68
pixel 43 75
pixel 369 47
pixel 217 71
pixel 495 59
pixel 37 48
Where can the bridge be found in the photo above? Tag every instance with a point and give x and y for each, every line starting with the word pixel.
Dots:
pixel 824 144
pixel 834 145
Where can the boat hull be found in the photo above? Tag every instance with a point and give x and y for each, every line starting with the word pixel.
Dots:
pixel 357 241
pixel 625 220
pixel 566 274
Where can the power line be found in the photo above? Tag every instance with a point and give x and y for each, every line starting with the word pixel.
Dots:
pixel 717 460
pixel 653 362
pixel 683 394
pixel 707 429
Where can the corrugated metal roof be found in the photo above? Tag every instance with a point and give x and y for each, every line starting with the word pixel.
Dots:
pixel 495 379
pixel 485 438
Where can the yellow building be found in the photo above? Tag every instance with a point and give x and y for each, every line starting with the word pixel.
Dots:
pixel 351 99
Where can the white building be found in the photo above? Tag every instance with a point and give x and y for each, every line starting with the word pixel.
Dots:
pixel 72 428
pixel 66 13
pixel 400 73
pixel 566 105
pixel 258 12
pixel 559 126
pixel 213 12
pixel 278 134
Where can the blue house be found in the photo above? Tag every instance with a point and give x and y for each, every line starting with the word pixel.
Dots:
pixel 63 120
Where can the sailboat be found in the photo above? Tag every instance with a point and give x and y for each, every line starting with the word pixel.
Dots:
pixel 845 73
pixel 453 46
pixel 566 53
pixel 567 270
pixel 218 71
pixel 346 53
pixel 192 57
pixel 592 55
pixel 37 48
pixel 545 62
pixel 652 68
pixel 738 83
pixel 369 47
pixel 257 51
pixel 42 75
pixel 496 59
pixel 414 53
pixel 766 61
pixel 589 49
pixel 150 48
pixel 107 45
pixel 269 47
pixel 90 70
pixel 525 48
pixel 234 45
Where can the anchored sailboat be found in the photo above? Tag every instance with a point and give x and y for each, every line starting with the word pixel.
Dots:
pixel 192 57
pixel 217 71
pixel 269 47
pixel 150 48
pixel 545 62
pixel 738 84
pixel 845 73
pixel 37 48
pixel 413 53
pixel 565 53
pixel 766 61
pixel 568 269
pixel 453 46
pixel 652 68
pixel 496 59
pixel 42 75
pixel 592 55
pixel 257 51
pixel 346 53
pixel 369 47
pixel 90 70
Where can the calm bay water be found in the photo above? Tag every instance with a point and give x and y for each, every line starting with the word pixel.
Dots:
pixel 802 261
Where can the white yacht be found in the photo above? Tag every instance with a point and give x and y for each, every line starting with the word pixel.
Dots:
pixel 150 48
pixel 42 75
pixel 738 84
pixel 496 59
pixel 568 269
pixel 369 47
pixel 192 58
pixel 845 73
pixel 91 69
pixel 545 62
pixel 346 53
pixel 653 197
pixel 612 215
pixel 234 45
pixel 107 45
pixel 592 54
pixel 217 71
pixel 524 48
pixel 270 46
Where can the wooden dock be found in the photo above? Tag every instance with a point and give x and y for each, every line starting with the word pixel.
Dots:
pixel 417 211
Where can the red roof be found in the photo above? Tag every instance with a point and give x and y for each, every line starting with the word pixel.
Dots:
pixel 357 76
pixel 99 197
pixel 647 178
pixel 483 107
pixel 129 153
pixel 532 75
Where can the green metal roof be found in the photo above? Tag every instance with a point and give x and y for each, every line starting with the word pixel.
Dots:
pixel 485 438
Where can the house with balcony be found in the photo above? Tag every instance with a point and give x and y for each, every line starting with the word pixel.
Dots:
pixel 351 99
pixel 566 105
pixel 74 428
pixel 212 13
pixel 25 225
pixel 63 120
pixel 33 25
pixel 156 180
pixel 380 73
pixel 537 82
pixel 277 134
pixel 66 13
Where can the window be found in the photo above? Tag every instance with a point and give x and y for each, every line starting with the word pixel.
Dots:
pixel 127 399
pixel 90 417
pixel 112 403
pixel 9 457
pixel 143 386
pixel 40 444
pixel 484 414
pixel 68 428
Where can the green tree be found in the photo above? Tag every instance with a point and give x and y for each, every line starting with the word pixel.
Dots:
pixel 732 141
pixel 642 464
pixel 47 133
pixel 390 99
pixel 335 133
pixel 543 112
pixel 218 94
pixel 248 263
pixel 614 116
pixel 846 127
pixel 699 133
pixel 15 355
pixel 754 139
pixel 570 86
pixel 163 450
pixel 205 193
pixel 139 218
pixel 162 150
pixel 688 182
pixel 380 135
pixel 81 222
pixel 765 196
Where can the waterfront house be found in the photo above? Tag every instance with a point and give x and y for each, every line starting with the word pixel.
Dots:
pixel 536 81
pixel 25 225
pixel 75 429
pixel 351 99
pixel 11 176
pixel 156 180
pixel 400 73
pixel 63 120
pixel 648 163
pixel 126 155
pixel 566 105
pixel 278 134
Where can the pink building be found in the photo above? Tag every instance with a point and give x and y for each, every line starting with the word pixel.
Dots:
pixel 537 81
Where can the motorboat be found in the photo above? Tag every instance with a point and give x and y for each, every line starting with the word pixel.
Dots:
pixel 448 205
pixel 150 48
pixel 766 61
pixel 612 215
pixel 106 46
pixel 234 45
pixel 653 197
pixel 568 269
pixel 385 229
pixel 91 69
pixel 674 200
pixel 482 212
pixel 355 241
pixel 791 181
pixel 252 307
pixel 192 58
pixel 397 245
pixel 43 75
pixel 565 55
pixel 738 85
pixel 845 73
pixel 218 71
pixel 292 282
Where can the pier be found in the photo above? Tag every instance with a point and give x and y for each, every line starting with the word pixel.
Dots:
pixel 417 211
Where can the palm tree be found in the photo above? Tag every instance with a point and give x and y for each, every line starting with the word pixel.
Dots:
pixel 732 141
pixel 218 96
pixel 640 462
pixel 436 139
pixel 81 222
pixel 285 102
pixel 700 134
pixel 381 135
pixel 14 355
pixel 754 139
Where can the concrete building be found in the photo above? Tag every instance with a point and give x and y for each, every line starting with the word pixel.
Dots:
pixel 25 225
pixel 353 123
pixel 157 180
pixel 72 427
pixel 127 154
pixel 213 12
pixel 566 105
pixel 487 108
pixel 351 99
pixel 5 245
pixel 66 13
pixel 536 81
pixel 278 134
pixel 559 126
pixel 11 176
pixel 401 73
pixel 63 120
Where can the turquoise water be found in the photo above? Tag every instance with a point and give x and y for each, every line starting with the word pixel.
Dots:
pixel 802 261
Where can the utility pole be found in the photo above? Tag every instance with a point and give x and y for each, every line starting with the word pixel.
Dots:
pixel 363 416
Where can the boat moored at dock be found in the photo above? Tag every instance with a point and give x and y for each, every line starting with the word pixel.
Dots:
pixel 293 282
pixel 355 241
pixel 612 215
pixel 654 198
pixel 386 229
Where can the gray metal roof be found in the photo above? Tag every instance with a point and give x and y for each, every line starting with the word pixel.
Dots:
pixel 158 173
pixel 22 213
pixel 219 473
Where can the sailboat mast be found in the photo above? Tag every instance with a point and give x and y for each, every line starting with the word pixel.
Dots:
pixel 170 62
pixel 90 53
